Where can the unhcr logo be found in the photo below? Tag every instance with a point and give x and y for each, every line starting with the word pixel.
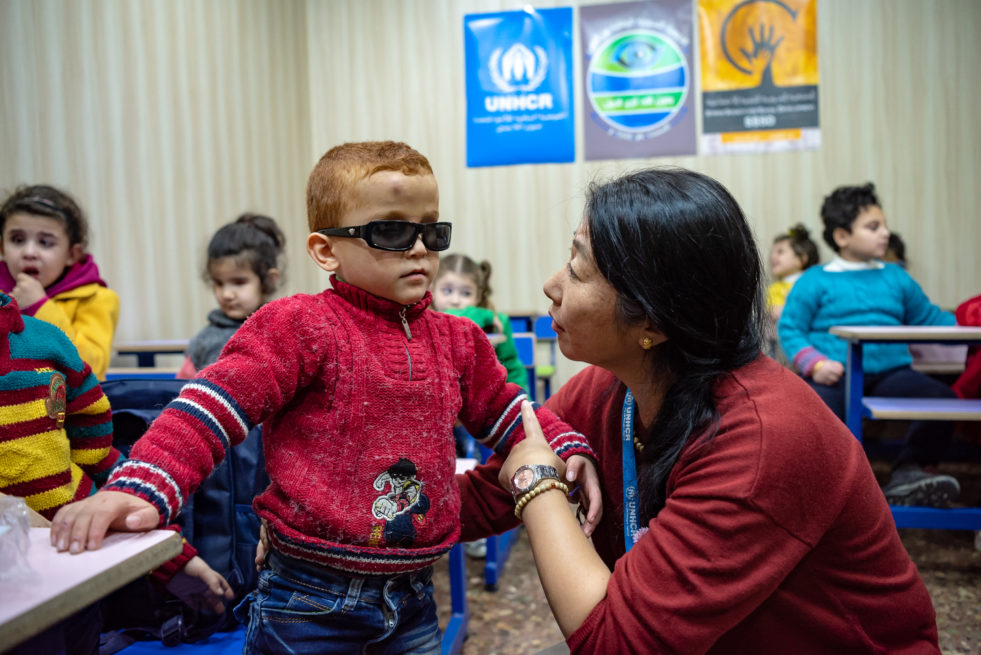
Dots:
pixel 517 72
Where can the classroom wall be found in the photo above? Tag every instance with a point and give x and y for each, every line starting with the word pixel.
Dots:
pixel 167 119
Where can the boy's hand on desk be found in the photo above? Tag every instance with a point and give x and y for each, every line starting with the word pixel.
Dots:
pixel 828 372
pixel 200 586
pixel 82 525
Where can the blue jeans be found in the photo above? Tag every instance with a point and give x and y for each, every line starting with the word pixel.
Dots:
pixel 301 608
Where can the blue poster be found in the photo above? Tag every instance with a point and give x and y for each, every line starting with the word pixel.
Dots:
pixel 519 87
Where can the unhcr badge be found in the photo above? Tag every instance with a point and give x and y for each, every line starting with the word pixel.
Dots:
pixel 56 403
pixel 519 87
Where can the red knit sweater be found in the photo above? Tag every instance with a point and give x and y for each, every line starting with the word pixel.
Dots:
pixel 357 396
pixel 775 537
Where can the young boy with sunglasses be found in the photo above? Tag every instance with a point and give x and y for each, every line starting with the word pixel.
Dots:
pixel 357 388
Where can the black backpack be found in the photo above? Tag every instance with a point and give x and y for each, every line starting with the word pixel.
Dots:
pixel 217 520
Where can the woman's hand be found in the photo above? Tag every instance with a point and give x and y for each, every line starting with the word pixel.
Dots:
pixel 572 574
pixel 581 472
pixel 533 449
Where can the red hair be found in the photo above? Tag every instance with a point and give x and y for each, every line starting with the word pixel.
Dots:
pixel 341 167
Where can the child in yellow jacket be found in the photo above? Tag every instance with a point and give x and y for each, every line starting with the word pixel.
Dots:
pixel 43 234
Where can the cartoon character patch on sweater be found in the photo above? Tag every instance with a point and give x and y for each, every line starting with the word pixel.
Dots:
pixel 57 401
pixel 404 505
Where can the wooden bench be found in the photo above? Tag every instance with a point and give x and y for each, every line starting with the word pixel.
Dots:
pixel 146 351
pixel 922 409
pixel 144 372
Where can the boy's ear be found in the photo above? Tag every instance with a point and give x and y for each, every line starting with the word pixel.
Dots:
pixel 272 278
pixel 321 250
pixel 840 235
pixel 75 253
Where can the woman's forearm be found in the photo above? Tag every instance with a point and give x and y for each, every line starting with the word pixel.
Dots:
pixel 572 574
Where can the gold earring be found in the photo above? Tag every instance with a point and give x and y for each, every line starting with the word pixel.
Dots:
pixel 647 343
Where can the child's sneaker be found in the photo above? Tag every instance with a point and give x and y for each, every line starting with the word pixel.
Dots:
pixel 911 485
pixel 476 549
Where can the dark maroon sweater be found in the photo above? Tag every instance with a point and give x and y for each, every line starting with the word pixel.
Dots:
pixel 775 537
pixel 357 426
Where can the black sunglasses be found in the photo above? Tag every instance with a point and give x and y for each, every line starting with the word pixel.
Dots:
pixel 396 235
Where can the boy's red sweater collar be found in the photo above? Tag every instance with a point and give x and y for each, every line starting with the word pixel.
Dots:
pixel 361 299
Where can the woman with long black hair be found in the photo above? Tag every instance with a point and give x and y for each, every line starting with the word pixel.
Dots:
pixel 739 514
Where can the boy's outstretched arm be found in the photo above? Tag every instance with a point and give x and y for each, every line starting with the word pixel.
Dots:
pixel 83 525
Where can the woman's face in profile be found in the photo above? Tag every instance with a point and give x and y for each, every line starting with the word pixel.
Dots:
pixel 583 309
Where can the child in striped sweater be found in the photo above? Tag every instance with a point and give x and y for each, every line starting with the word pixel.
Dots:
pixel 56 447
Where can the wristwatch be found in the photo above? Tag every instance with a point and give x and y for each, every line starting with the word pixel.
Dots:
pixel 528 476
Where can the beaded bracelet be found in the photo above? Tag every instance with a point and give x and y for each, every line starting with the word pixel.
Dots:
pixel 540 488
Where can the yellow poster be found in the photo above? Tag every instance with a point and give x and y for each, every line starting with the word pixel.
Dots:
pixel 759 71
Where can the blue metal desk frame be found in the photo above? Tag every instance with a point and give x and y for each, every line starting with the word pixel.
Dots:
pixel 905 517
pixel 456 629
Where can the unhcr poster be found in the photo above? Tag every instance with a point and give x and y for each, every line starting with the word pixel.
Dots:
pixel 759 68
pixel 638 79
pixel 519 87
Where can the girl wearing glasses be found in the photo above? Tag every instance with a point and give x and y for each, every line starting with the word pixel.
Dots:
pixel 243 267
pixel 46 270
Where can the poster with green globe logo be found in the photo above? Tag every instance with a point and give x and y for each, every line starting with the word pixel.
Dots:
pixel 638 79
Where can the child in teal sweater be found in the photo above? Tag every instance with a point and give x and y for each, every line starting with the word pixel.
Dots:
pixel 857 288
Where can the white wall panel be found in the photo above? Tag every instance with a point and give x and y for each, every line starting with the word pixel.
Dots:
pixel 167 119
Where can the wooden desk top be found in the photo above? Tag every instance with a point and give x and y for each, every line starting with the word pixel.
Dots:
pixel 909 333
pixel 152 346
pixel 61 584
pixel 464 464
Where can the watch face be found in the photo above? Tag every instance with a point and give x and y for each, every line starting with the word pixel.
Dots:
pixel 523 479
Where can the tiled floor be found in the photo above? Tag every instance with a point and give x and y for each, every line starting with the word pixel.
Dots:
pixel 515 620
